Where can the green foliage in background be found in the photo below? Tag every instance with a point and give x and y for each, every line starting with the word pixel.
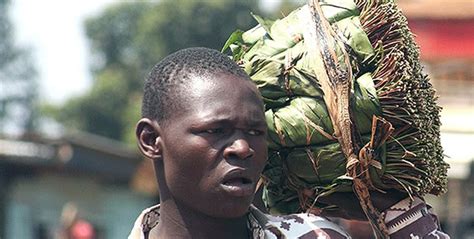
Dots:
pixel 18 86
pixel 127 39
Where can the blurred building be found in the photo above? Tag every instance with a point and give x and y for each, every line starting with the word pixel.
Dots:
pixel 445 32
pixel 39 176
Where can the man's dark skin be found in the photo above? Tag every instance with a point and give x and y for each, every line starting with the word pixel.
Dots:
pixel 208 158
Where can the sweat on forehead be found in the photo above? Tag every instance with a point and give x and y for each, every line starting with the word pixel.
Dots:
pixel 164 89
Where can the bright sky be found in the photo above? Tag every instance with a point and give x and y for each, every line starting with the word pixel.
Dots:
pixel 54 30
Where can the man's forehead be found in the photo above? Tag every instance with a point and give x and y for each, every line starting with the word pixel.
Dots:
pixel 201 83
pixel 253 114
pixel 213 77
pixel 220 94
pixel 210 83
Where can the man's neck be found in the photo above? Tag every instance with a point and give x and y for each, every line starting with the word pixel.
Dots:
pixel 177 221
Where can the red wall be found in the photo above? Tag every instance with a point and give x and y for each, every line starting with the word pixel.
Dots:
pixel 441 39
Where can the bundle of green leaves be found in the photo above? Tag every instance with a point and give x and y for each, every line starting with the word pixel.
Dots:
pixel 345 101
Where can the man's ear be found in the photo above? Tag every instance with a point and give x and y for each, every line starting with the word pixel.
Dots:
pixel 148 134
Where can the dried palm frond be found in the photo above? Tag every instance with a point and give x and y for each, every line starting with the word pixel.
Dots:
pixel 347 104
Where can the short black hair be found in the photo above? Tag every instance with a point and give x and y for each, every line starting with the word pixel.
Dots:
pixel 164 84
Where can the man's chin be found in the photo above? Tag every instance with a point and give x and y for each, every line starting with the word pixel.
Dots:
pixel 234 208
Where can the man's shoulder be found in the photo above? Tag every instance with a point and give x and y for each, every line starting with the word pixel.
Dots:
pixel 302 225
pixel 262 226
pixel 147 219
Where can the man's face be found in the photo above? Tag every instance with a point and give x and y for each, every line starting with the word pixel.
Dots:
pixel 215 148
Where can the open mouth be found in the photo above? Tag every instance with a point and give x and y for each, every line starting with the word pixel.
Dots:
pixel 239 186
pixel 237 181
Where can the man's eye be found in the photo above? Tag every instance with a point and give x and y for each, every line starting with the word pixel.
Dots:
pixel 213 131
pixel 254 132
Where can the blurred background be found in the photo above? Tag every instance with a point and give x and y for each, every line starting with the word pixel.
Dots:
pixel 71 77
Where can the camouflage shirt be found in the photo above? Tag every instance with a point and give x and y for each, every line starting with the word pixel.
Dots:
pixel 406 219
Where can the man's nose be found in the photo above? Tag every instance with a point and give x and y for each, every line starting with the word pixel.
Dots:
pixel 239 148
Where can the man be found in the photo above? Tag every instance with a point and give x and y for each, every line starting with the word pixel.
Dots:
pixel 204 128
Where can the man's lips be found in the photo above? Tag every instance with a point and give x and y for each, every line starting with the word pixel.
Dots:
pixel 238 183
